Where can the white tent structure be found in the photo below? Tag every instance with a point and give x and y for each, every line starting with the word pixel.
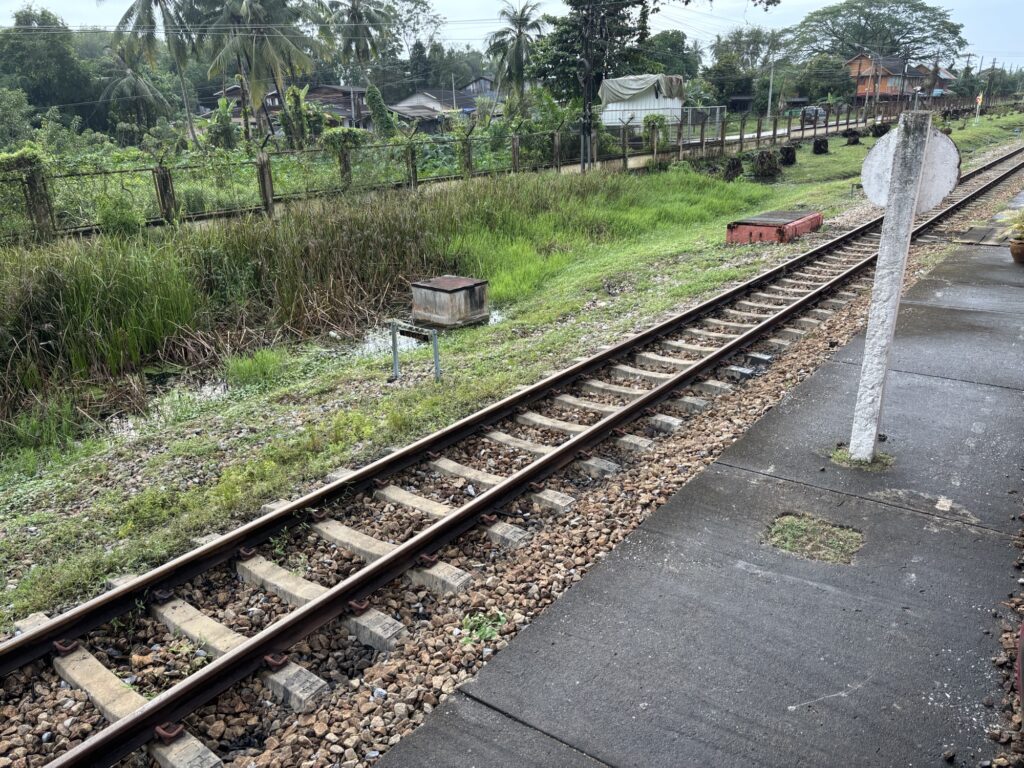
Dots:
pixel 628 100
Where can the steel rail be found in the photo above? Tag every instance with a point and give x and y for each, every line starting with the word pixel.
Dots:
pixel 34 643
pixel 127 734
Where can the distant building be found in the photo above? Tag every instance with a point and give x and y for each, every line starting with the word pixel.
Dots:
pixel 943 79
pixel 344 105
pixel 481 86
pixel 429 106
pixel 888 77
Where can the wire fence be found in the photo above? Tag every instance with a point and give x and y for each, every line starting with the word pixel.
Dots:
pixel 85 202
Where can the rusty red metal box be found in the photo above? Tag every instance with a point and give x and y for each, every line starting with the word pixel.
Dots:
pixel 773 227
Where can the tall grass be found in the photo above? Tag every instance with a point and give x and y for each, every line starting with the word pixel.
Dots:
pixel 84 310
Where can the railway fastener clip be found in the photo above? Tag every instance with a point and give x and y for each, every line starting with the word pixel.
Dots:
pixel 64 647
pixel 245 553
pixel 275 661
pixel 359 606
pixel 168 732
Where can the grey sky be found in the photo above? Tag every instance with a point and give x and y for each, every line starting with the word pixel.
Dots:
pixel 993 27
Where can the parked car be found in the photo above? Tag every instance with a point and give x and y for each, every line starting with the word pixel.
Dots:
pixel 812 115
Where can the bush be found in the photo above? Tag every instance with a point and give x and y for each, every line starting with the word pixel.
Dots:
pixel 117 215
pixel 879 129
pixel 820 147
pixel 852 136
pixel 766 164
pixel 787 154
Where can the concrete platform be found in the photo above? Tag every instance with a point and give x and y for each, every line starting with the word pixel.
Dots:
pixel 696 644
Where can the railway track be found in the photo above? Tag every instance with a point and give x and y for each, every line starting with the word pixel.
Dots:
pixel 621 397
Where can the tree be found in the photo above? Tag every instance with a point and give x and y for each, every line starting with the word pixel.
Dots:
pixel 37 57
pixel 361 25
pixel 261 40
pixel 670 50
pixel 822 76
pixel 419 65
pixel 130 88
pixel 753 47
pixel 910 29
pixel 15 117
pixel 413 21
pixel 383 122
pixel 729 78
pixel 143 20
pixel 511 45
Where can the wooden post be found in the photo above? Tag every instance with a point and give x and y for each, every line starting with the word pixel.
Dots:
pixel 625 148
pixel 37 201
pixel 556 150
pixel 266 181
pixel 848 117
pixel 789 128
pixel 897 228
pixel 655 135
pixel 679 134
pixel 515 153
pixel 703 136
pixel 814 130
pixel 743 128
pixel 410 165
pixel 757 141
pixel 838 115
pixel 721 141
pixel 165 194
pixel 775 130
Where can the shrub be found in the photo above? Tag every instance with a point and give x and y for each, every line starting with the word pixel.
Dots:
pixel 879 129
pixel 852 136
pixel 820 147
pixel 787 155
pixel 117 215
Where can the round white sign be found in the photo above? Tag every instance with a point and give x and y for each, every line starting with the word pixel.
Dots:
pixel 939 176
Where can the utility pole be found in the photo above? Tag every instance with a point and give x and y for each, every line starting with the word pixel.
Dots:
pixel 586 78
pixel 771 84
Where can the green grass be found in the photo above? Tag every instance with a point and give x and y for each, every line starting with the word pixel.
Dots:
pixel 261 368
pixel 815 539
pixel 573 264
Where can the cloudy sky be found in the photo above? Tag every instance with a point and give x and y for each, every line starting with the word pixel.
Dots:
pixel 993 27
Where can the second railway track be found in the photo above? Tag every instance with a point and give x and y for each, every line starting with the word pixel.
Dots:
pixel 621 397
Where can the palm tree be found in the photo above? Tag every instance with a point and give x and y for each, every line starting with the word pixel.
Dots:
pixel 362 26
pixel 261 40
pixel 129 82
pixel 511 44
pixel 140 22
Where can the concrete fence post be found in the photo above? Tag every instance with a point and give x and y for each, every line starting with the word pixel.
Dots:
pixel 266 182
pixel 556 150
pixel 897 227
pixel 515 153
pixel 37 202
pixel 165 193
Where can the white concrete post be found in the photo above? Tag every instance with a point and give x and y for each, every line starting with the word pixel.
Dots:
pixel 904 187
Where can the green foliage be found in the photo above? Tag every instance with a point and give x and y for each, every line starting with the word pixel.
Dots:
pixel 261 368
pixel 766 164
pixel 911 29
pixel 338 140
pixel 28 157
pixel 482 627
pixel 116 214
pixel 383 121
pixel 302 122
pixel 221 131
pixel 656 124
pixel 15 117
pixel 671 53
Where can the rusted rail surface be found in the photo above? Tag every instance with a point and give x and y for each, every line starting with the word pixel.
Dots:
pixel 131 732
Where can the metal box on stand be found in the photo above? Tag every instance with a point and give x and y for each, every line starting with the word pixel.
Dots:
pixel 450 301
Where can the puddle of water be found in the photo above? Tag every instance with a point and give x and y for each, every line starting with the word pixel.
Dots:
pixel 377 341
